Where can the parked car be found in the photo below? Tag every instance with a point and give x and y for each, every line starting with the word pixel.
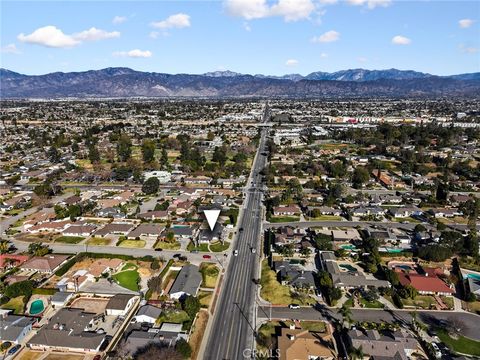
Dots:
pixel 253 250
pixel 438 353
pixel 194 251
pixel 14 349
pixel 158 249
pixel 235 253
pixel 294 306
pixel 207 256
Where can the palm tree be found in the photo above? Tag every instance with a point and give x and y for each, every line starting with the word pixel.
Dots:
pixel 4 246
pixel 346 314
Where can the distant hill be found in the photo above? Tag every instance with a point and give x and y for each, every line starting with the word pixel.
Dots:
pixel 125 82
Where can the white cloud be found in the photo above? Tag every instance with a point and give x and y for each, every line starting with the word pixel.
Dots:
pixel 401 40
pixel 329 36
pixel 10 49
pixel 177 21
pixel 328 2
pixel 290 10
pixel 291 62
pixel 371 4
pixel 51 36
pixel 465 23
pixel 136 53
pixel 119 19
pixel 94 34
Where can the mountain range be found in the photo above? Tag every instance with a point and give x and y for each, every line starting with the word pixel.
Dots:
pixel 125 82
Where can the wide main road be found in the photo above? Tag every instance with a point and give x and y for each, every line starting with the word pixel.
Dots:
pixel 233 324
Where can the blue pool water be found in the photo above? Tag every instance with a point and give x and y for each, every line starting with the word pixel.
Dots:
pixel 472 276
pixel 36 307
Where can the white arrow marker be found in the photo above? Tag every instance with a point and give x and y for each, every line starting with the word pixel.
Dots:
pixel 212 217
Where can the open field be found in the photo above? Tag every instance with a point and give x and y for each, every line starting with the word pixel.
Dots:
pixel 461 344
pixel 209 274
pixel 167 246
pixel 198 332
pixel 219 247
pixel 280 219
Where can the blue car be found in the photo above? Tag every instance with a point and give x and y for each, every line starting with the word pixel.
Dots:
pixel 14 349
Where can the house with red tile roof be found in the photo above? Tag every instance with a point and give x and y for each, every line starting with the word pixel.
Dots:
pixel 11 260
pixel 428 284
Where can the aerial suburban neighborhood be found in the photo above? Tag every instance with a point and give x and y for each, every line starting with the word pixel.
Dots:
pixel 357 231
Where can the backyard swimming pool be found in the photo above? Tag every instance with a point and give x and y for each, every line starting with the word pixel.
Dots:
pixel 36 307
pixel 347 267
pixel 472 276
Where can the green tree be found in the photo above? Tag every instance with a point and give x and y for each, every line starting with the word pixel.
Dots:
pixel 346 313
pixel 151 185
pixel 220 156
pixel 360 176
pixel 54 155
pixel 191 305
pixel 124 147
pixel 93 154
pixel 148 150
pixel 183 348
pixel 38 249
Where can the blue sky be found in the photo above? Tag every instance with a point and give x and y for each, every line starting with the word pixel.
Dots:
pixel 249 36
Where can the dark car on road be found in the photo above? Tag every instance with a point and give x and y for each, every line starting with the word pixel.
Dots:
pixel 207 256
pixel 14 349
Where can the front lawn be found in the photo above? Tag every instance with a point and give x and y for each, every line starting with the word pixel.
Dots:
pixel 326 218
pixel 462 345
pixel 128 279
pixel 420 301
pixel 316 326
pixel 167 246
pixel 205 298
pixel 280 219
pixel 132 243
pixel 375 304
pixel 201 247
pixel 219 247
pixel 15 304
pixel 98 241
pixel 69 239
pixel 209 274
pixel 173 316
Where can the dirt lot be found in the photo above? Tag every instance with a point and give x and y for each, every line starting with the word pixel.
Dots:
pixel 198 331
pixel 93 305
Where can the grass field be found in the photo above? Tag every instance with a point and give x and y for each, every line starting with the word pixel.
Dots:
pixel 128 279
pixel 318 326
pixel 326 218
pixel 420 301
pixel 219 247
pixel 209 274
pixel 462 344
pixel 205 298
pixel 202 247
pixel 280 219
pixel 15 304
pixel 132 243
pixel 371 304
pixel 69 239
pixel 173 316
pixel 167 246
pixel 30 355
pixel 98 241
pixel 271 289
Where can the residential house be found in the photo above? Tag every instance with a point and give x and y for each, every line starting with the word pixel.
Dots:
pixel 186 283
pixel 69 330
pixel 15 328
pixel 146 230
pixel 287 210
pixel 120 304
pixel 47 264
pixel 294 344
pixel 294 275
pixel 8 261
pixel 148 314
pixel 154 215
pixel 397 345
pixel 114 229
